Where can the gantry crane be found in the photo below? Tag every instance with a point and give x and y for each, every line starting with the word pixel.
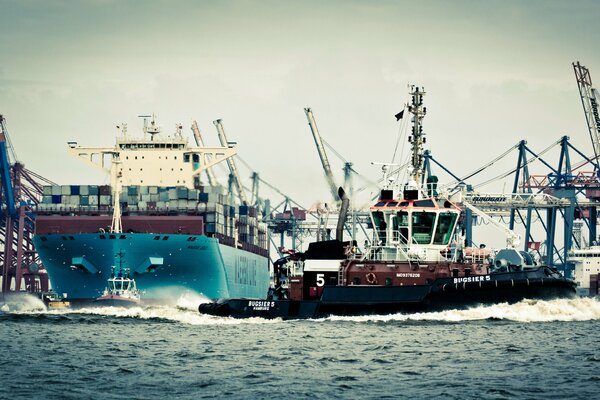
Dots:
pixel 589 100
pixel 322 155
pixel 21 191
pixel 231 163
pixel 212 180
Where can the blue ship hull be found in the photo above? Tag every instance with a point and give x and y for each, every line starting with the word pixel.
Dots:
pixel 164 266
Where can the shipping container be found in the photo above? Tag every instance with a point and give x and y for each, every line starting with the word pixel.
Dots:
pixel 104 190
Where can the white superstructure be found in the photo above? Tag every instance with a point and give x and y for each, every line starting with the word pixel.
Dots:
pixel 153 160
pixel 587 263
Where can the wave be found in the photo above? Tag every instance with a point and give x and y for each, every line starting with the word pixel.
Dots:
pixel 184 310
pixel 578 309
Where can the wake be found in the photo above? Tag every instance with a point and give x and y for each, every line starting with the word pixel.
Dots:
pixel 185 310
pixel 578 309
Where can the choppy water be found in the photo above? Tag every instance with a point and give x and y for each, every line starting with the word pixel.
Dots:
pixel 530 350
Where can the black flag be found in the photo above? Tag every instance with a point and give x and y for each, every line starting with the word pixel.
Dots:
pixel 399 115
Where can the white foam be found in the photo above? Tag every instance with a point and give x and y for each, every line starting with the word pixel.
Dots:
pixel 164 312
pixel 23 303
pixel 579 309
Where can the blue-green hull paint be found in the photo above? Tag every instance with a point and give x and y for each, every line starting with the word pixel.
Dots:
pixel 201 265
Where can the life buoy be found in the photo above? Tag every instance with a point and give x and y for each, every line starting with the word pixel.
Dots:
pixel 371 278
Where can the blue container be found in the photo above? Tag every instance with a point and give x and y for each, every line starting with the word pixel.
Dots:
pixel 203 197
pixel 74 190
pixel 243 210
pixel 210 228
pixel 93 190
pixel 84 200
pixel 56 199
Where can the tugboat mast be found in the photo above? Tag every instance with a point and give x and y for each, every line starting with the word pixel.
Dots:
pixel 417 139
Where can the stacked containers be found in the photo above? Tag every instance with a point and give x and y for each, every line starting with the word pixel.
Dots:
pixel 209 201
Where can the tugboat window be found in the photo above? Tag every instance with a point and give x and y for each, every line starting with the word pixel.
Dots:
pixel 444 229
pixel 422 226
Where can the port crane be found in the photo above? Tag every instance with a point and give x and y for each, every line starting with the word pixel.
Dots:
pixel 212 180
pixel 231 163
pixel 21 191
pixel 589 101
pixel 322 154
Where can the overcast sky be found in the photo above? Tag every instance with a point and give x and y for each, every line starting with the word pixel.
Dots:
pixel 495 72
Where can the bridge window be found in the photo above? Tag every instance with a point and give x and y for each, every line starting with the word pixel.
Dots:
pixel 422 226
pixel 445 228
pixel 401 226
pixel 424 203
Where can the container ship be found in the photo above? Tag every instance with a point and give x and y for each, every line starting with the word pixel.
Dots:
pixel 171 231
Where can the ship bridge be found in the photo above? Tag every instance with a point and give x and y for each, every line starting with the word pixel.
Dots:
pixel 419 224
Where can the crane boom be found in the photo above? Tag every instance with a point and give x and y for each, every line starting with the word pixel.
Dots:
pixel 322 154
pixel 200 143
pixel 589 101
pixel 231 163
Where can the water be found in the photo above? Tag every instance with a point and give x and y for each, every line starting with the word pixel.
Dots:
pixel 530 350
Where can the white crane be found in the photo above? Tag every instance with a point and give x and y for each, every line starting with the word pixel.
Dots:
pixel 589 100
pixel 231 163
pixel 200 143
pixel 322 155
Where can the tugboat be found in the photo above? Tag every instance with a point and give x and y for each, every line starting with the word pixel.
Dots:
pixel 54 301
pixel 415 261
pixel 121 290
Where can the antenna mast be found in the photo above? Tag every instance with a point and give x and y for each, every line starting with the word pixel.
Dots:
pixel 417 139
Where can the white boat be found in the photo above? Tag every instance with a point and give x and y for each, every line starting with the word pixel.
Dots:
pixel 121 290
pixel 587 263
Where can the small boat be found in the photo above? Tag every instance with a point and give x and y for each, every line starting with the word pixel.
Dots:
pixel 53 300
pixel 121 290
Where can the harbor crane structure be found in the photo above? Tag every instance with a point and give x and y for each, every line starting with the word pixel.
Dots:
pixel 231 163
pixel 322 154
pixel 589 101
pixel 21 191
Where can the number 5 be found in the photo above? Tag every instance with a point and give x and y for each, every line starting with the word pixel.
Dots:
pixel 320 279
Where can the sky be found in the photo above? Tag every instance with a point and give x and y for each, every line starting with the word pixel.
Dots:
pixel 495 73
